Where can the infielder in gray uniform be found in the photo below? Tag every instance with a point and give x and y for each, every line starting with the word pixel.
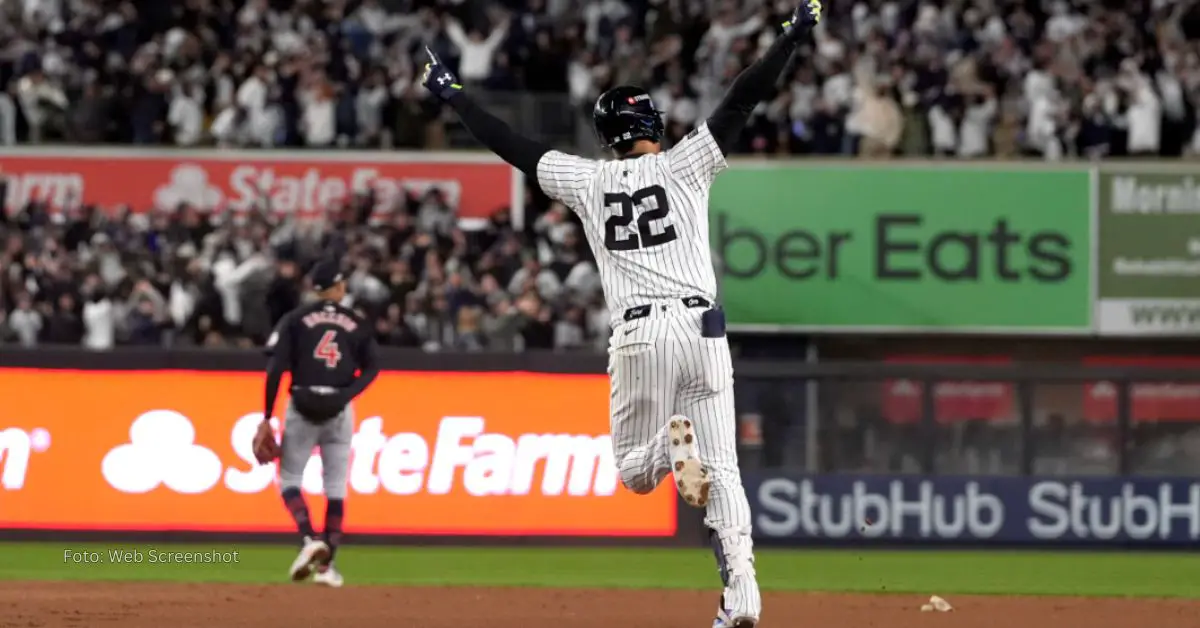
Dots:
pixel 645 215
pixel 330 352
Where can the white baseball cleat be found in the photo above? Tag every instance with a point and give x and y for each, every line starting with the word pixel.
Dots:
pixel 314 552
pixel 691 478
pixel 328 576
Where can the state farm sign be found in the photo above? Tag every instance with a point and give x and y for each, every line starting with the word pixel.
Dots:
pixel 291 182
pixel 436 453
pixel 162 452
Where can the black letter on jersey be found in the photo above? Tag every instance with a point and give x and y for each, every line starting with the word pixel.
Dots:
pixel 646 237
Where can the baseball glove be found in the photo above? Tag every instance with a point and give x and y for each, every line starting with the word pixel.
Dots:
pixel 266 448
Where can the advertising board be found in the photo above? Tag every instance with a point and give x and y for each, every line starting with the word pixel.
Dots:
pixel 904 249
pixel 1149 401
pixel 903 399
pixel 293 182
pixel 1149 253
pixel 433 454
pixel 799 509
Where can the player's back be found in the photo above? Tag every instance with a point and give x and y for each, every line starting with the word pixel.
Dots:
pixel 328 341
pixel 646 218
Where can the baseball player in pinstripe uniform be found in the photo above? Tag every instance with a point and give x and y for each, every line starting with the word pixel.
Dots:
pixel 645 215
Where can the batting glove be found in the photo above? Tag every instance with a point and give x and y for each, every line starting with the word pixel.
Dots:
pixel 807 15
pixel 438 78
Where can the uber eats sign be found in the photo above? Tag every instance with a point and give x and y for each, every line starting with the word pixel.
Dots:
pixel 929 249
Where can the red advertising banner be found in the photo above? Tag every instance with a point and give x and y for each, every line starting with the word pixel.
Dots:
pixel 1149 401
pixel 294 182
pixel 953 400
pixel 432 453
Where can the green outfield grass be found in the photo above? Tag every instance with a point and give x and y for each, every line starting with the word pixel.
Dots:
pixel 941 572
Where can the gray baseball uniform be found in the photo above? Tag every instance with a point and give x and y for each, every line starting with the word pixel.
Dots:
pixel 331 438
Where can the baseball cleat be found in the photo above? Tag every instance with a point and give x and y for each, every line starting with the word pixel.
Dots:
pixel 313 553
pixel 328 576
pixel 691 478
pixel 723 620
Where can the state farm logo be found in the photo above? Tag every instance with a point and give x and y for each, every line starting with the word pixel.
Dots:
pixel 16 448
pixel 57 189
pixel 162 451
pixel 289 188
pixel 189 184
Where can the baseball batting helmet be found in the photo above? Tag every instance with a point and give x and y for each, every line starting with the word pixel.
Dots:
pixel 624 114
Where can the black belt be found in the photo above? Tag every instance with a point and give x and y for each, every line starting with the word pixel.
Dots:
pixel 642 311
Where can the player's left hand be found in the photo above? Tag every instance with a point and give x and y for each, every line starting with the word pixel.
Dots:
pixel 806 16
pixel 266 448
pixel 438 78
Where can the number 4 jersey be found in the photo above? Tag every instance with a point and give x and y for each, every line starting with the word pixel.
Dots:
pixel 322 344
pixel 645 217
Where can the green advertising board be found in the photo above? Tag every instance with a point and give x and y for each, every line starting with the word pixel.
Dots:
pixel 1148 264
pixel 952 249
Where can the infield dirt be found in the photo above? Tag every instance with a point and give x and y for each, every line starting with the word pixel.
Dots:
pixel 138 605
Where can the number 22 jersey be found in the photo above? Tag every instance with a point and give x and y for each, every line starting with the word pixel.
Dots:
pixel 645 217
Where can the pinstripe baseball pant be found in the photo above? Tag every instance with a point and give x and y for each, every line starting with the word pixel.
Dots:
pixel 660 366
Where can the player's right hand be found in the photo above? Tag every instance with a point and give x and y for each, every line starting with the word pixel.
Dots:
pixel 438 78
pixel 266 448
pixel 806 16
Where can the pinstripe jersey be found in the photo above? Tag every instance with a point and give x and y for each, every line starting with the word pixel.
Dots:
pixel 646 218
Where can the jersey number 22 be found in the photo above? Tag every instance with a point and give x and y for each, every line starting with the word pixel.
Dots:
pixel 327 350
pixel 645 237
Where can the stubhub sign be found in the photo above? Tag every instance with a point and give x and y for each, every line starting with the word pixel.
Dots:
pixel 981 509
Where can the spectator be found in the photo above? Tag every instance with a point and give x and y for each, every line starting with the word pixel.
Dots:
pixel 973 133
pixel 570 332
pixel 231 128
pixel 476 53
pixel 1143 114
pixel 90 118
pixel 186 115
pixel 252 98
pixel 99 317
pixel 44 105
pixel 878 119
pixel 25 322
pixel 63 326
pixel 320 124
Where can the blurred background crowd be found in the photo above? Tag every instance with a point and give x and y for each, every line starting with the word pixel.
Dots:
pixel 966 78
pixel 947 78
pixel 185 277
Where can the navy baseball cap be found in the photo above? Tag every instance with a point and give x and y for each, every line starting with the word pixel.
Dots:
pixel 325 275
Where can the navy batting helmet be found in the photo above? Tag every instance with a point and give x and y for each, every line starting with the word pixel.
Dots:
pixel 624 114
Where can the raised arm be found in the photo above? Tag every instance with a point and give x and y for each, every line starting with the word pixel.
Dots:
pixel 499 32
pixel 756 82
pixel 455 32
pixel 522 152
pixel 558 174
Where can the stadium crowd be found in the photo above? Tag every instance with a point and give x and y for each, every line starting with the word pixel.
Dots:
pixel 966 78
pixel 185 277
